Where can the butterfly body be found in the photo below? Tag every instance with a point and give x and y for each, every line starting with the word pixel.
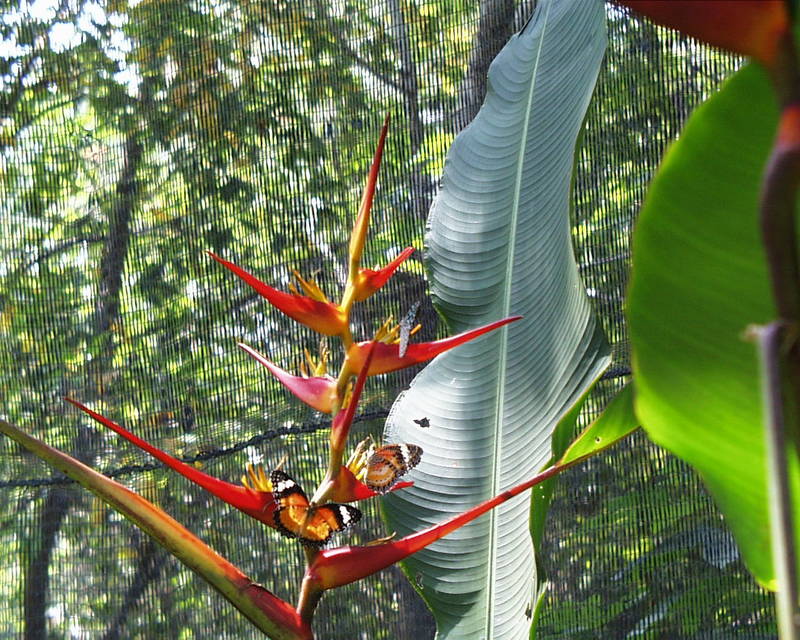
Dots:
pixel 390 462
pixel 406 325
pixel 295 517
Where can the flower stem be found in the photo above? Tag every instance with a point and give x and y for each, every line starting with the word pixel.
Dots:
pixel 784 552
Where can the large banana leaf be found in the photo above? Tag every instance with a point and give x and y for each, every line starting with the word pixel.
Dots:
pixel 499 244
pixel 699 280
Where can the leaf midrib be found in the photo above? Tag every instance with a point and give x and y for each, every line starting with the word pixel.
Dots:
pixel 504 337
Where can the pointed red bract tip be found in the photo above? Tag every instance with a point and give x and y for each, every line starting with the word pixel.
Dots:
pixel 342 565
pixel 318 393
pixel 257 504
pixel 387 356
pixel 750 27
pixel 370 280
pixel 358 237
pixel 323 317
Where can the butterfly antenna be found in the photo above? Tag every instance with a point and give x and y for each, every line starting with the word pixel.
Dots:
pixel 381 540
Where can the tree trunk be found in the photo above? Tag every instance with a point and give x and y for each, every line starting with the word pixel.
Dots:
pixel 54 507
pixel 495 26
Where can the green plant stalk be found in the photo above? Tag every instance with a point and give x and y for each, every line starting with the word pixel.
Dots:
pixel 781 384
pixel 778 208
pixel 266 611
pixel 784 554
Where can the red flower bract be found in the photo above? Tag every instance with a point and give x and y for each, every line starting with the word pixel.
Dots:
pixel 343 565
pixel 318 392
pixel 370 280
pixel 257 504
pixel 323 317
pixel 387 356
pixel 348 488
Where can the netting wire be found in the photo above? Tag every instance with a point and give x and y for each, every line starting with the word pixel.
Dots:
pixel 142 135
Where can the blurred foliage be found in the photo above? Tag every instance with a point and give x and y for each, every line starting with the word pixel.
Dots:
pixel 134 135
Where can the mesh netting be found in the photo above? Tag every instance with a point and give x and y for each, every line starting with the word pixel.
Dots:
pixel 138 135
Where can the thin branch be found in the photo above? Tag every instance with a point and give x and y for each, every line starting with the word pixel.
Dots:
pixel 151 561
pixel 333 28
pixel 60 247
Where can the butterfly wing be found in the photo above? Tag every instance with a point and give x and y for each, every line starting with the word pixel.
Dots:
pixel 292 502
pixel 327 519
pixel 295 518
pixel 390 462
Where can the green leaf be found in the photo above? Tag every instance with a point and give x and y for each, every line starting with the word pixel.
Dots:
pixel 699 280
pixel 499 244
pixel 617 421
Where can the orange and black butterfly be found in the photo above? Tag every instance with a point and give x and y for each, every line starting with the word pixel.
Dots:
pixel 390 462
pixel 296 518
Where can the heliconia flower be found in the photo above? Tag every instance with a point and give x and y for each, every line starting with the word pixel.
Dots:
pixel 321 316
pixel 318 392
pixel 387 356
pixel 254 502
pixel 342 565
pixel 391 333
pixel 362 283
pixel 315 366
pixel 368 281
pixel 750 27
pixel 256 479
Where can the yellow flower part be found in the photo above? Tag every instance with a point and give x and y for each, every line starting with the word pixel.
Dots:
pixel 348 395
pixel 382 540
pixel 257 479
pixel 313 367
pixel 389 332
pixel 309 287
pixel 357 464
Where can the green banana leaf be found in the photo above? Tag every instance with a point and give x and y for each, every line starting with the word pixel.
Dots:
pixel 699 280
pixel 499 244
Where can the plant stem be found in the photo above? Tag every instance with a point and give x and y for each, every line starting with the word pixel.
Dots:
pixel 784 555
pixel 781 385
pixel 310 595
pixel 778 209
